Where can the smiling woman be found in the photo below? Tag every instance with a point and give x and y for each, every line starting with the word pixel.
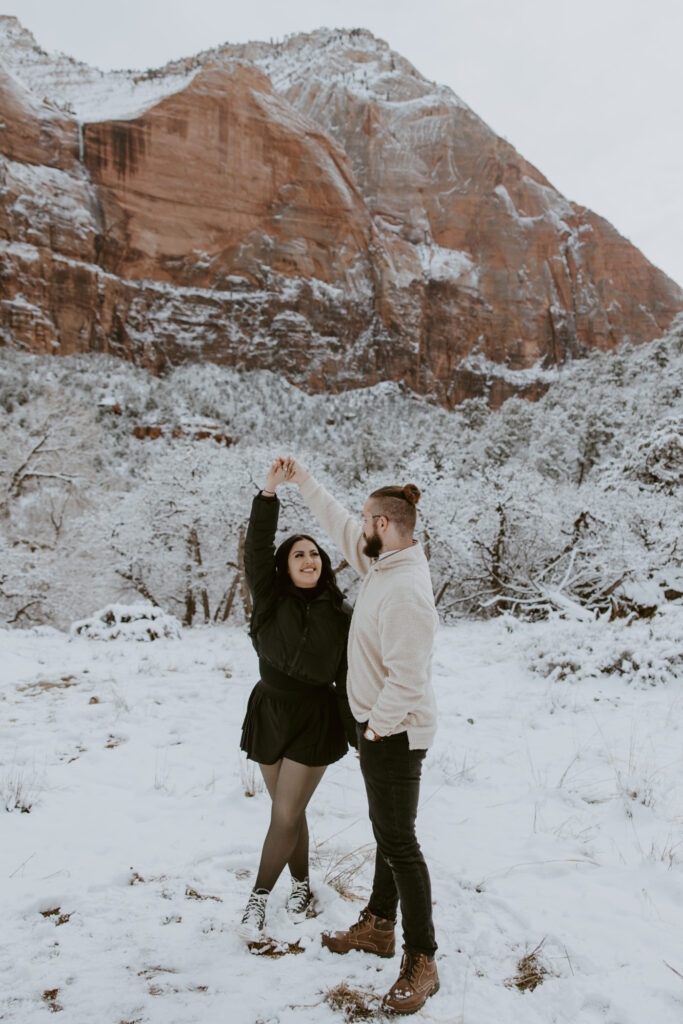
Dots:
pixel 297 713
pixel 304 563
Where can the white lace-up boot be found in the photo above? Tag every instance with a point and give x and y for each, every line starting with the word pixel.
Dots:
pixel 251 926
pixel 300 899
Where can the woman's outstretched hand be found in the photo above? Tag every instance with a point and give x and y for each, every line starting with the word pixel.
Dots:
pixel 276 476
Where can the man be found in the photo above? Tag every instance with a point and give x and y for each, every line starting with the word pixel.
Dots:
pixel 390 694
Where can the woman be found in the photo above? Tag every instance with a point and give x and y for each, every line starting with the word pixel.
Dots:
pixel 295 722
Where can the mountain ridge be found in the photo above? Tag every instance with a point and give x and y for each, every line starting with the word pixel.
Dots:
pixel 320 209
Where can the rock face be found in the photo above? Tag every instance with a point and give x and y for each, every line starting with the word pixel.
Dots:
pixel 315 207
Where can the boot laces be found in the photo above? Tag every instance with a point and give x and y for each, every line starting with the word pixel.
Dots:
pixel 409 967
pixel 360 923
pixel 300 896
pixel 256 909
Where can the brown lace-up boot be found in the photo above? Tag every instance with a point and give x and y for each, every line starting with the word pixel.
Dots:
pixel 370 933
pixel 417 981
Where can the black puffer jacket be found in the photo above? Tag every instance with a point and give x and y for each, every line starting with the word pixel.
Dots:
pixel 301 636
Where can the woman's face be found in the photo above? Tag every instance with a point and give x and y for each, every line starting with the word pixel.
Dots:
pixel 304 564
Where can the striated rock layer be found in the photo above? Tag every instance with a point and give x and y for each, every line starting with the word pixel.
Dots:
pixel 315 207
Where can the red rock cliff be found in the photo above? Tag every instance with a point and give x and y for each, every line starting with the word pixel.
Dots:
pixel 316 208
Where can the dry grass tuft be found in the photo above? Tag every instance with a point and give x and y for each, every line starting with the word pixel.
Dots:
pixel 56 913
pixel 42 685
pixel 192 894
pixel 273 949
pixel 674 970
pixel 342 872
pixel 50 997
pixel 354 1003
pixel 531 971
pixel 157 986
pixel 252 780
pixel 150 972
pixel 16 792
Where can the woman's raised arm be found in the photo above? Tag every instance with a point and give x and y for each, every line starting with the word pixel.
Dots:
pixel 259 545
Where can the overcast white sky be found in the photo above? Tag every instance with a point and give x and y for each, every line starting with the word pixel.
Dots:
pixel 590 91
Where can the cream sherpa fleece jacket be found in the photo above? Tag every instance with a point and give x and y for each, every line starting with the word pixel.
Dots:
pixel 392 629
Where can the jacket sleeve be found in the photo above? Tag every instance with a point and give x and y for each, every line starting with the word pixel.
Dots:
pixel 344 529
pixel 259 546
pixel 406 636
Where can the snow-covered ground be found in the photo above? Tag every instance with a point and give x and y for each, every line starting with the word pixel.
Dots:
pixel 551 816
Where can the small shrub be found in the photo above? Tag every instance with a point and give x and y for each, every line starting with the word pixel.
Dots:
pixel 354 1003
pixel 16 793
pixel 531 971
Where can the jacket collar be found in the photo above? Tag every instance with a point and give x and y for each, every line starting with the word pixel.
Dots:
pixel 322 594
pixel 405 556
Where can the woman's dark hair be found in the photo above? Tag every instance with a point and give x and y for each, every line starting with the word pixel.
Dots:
pixel 283 582
pixel 283 579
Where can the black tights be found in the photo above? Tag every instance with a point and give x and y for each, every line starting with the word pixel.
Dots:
pixel 291 786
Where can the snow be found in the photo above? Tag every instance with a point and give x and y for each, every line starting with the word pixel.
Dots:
pixel 118 97
pixel 550 813
pixel 356 60
pixel 478 363
pixel 142 621
pixel 87 93
pixel 441 264
pixel 20 309
pixel 555 208
pixel 504 195
pixel 70 199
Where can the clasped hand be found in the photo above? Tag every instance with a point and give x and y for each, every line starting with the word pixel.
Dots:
pixel 284 469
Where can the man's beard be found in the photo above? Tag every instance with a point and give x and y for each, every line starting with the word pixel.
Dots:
pixel 373 545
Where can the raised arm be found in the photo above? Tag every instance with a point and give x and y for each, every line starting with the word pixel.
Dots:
pixel 259 546
pixel 344 529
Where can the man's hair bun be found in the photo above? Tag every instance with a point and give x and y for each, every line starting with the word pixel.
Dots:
pixel 411 493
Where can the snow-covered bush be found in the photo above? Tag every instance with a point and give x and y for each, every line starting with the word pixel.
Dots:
pixel 642 652
pixel 658 458
pixel 142 621
pixel 559 505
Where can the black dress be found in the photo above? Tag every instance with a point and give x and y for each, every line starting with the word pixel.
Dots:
pixel 298 708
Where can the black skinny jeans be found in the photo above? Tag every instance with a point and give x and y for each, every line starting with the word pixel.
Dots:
pixel 391 772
